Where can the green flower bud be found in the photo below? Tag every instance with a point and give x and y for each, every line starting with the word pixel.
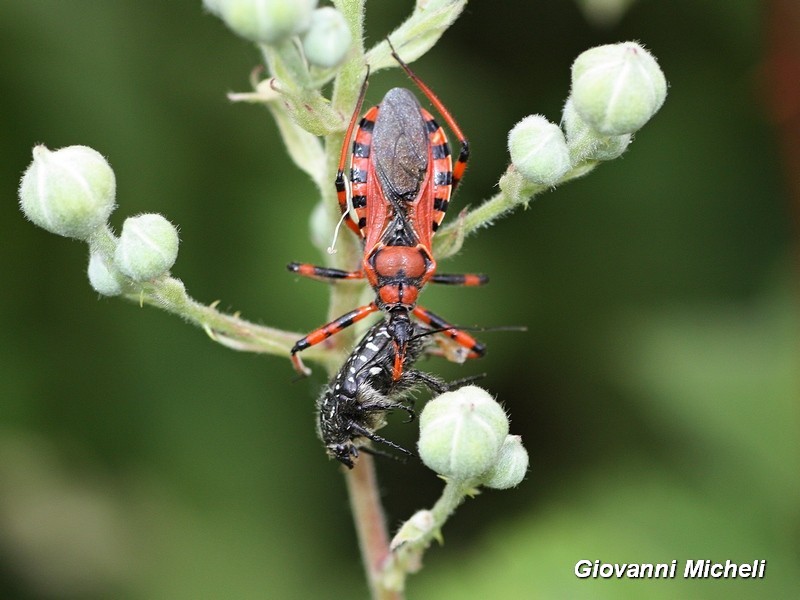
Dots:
pixel 418 527
pixel 68 192
pixel 461 433
pixel 511 465
pixel 617 88
pixel 148 247
pixel 585 143
pixel 265 21
pixel 212 6
pixel 104 277
pixel 328 38
pixel 538 150
pixel 320 226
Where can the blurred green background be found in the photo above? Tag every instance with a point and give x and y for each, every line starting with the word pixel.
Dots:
pixel 656 387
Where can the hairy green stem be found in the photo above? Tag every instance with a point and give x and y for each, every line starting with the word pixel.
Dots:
pixel 515 191
pixel 169 294
pixel 407 557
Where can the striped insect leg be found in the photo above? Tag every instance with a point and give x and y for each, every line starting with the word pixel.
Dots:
pixel 474 349
pixel 323 333
pixel 465 279
pixel 322 273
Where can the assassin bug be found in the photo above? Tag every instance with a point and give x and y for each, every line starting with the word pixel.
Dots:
pixel 353 405
pixel 401 179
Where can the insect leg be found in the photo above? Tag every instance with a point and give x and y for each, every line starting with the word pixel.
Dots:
pixel 474 349
pixel 322 273
pixel 466 279
pixel 323 333
pixel 463 155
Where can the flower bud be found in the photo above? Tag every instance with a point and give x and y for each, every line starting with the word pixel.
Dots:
pixel 511 465
pixel 538 150
pixel 104 277
pixel 319 223
pixel 212 6
pixel 461 433
pixel 328 38
pixel 585 143
pixel 68 192
pixel 419 526
pixel 148 247
pixel 617 88
pixel 267 21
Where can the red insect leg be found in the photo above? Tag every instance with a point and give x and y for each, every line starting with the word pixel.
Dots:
pixel 465 279
pixel 322 273
pixel 474 348
pixel 323 333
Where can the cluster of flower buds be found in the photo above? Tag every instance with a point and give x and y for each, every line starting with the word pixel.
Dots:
pixel 464 437
pixel 323 32
pixel 71 192
pixel 616 89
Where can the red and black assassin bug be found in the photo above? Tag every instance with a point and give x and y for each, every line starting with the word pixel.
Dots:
pixel 355 401
pixel 401 179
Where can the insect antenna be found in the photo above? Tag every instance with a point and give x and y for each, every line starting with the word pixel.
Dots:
pixel 473 328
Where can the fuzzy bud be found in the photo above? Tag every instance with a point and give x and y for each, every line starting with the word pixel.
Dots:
pixel 148 247
pixel 511 465
pixel 68 192
pixel 539 150
pixel 319 224
pixel 585 143
pixel 419 526
pixel 617 88
pixel 264 21
pixel 461 433
pixel 328 38
pixel 104 277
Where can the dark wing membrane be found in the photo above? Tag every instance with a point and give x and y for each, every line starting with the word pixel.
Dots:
pixel 400 145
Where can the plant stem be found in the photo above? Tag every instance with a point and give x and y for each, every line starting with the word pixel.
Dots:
pixel 362 484
pixel 169 294
pixel 515 191
pixel 370 522
pixel 407 558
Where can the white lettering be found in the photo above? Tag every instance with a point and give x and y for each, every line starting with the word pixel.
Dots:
pixel 644 570
pixel 694 568
pixel 605 571
pixel 583 569
pixel 730 565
